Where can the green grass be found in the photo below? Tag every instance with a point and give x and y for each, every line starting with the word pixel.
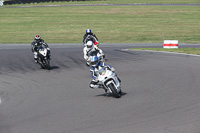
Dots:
pixel 195 51
pixel 111 24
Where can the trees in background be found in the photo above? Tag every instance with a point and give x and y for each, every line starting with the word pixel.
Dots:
pixel 9 2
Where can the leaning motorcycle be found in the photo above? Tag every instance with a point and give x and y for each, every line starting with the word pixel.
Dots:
pixel 109 81
pixel 43 58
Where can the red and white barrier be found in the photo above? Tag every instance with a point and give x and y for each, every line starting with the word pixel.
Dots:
pixel 170 44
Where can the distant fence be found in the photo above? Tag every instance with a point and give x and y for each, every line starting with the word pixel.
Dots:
pixel 10 2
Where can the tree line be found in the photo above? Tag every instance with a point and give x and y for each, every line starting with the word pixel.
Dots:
pixel 10 2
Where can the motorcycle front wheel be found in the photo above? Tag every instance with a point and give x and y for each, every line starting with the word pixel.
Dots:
pixel 47 62
pixel 114 91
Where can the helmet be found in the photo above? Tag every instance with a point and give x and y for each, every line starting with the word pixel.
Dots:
pixel 88 31
pixel 37 38
pixel 94 60
pixel 89 44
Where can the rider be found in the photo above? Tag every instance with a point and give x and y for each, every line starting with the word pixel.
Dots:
pixel 89 48
pixel 96 65
pixel 89 36
pixel 37 42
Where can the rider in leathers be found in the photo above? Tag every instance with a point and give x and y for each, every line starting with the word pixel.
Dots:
pixel 89 48
pixel 96 65
pixel 37 42
pixel 89 36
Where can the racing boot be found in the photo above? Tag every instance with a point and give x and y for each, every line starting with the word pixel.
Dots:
pixel 35 57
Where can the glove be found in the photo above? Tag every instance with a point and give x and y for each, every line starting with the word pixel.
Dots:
pixel 96 80
pixel 87 63
pixel 112 69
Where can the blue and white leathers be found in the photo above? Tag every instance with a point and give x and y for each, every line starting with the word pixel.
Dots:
pixel 94 70
pixel 94 73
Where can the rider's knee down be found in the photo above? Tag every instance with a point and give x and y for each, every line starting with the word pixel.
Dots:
pixel 93 86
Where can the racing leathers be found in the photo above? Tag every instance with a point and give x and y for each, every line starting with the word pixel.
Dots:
pixel 94 73
pixel 87 53
pixel 35 45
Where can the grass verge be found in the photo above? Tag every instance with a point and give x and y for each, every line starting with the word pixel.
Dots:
pixel 111 24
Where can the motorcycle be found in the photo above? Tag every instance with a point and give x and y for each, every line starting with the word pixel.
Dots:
pixel 43 58
pixel 109 81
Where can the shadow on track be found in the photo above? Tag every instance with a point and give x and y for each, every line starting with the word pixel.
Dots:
pixel 110 95
pixel 54 67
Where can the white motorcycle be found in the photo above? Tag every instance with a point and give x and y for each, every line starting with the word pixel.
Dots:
pixel 43 58
pixel 110 82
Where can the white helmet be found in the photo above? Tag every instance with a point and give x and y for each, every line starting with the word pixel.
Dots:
pixel 89 45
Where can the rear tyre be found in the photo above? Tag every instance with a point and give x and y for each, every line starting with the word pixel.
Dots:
pixel 114 91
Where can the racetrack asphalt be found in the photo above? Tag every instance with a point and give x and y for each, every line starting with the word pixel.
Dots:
pixel 160 92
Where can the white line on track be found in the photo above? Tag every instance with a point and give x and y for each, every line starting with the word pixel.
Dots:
pixel 162 52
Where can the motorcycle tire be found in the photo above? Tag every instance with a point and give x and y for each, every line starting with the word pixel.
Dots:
pixel 114 91
pixel 47 62
pixel 42 64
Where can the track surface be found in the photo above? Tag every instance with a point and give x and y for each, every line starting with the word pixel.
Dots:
pixel 161 93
